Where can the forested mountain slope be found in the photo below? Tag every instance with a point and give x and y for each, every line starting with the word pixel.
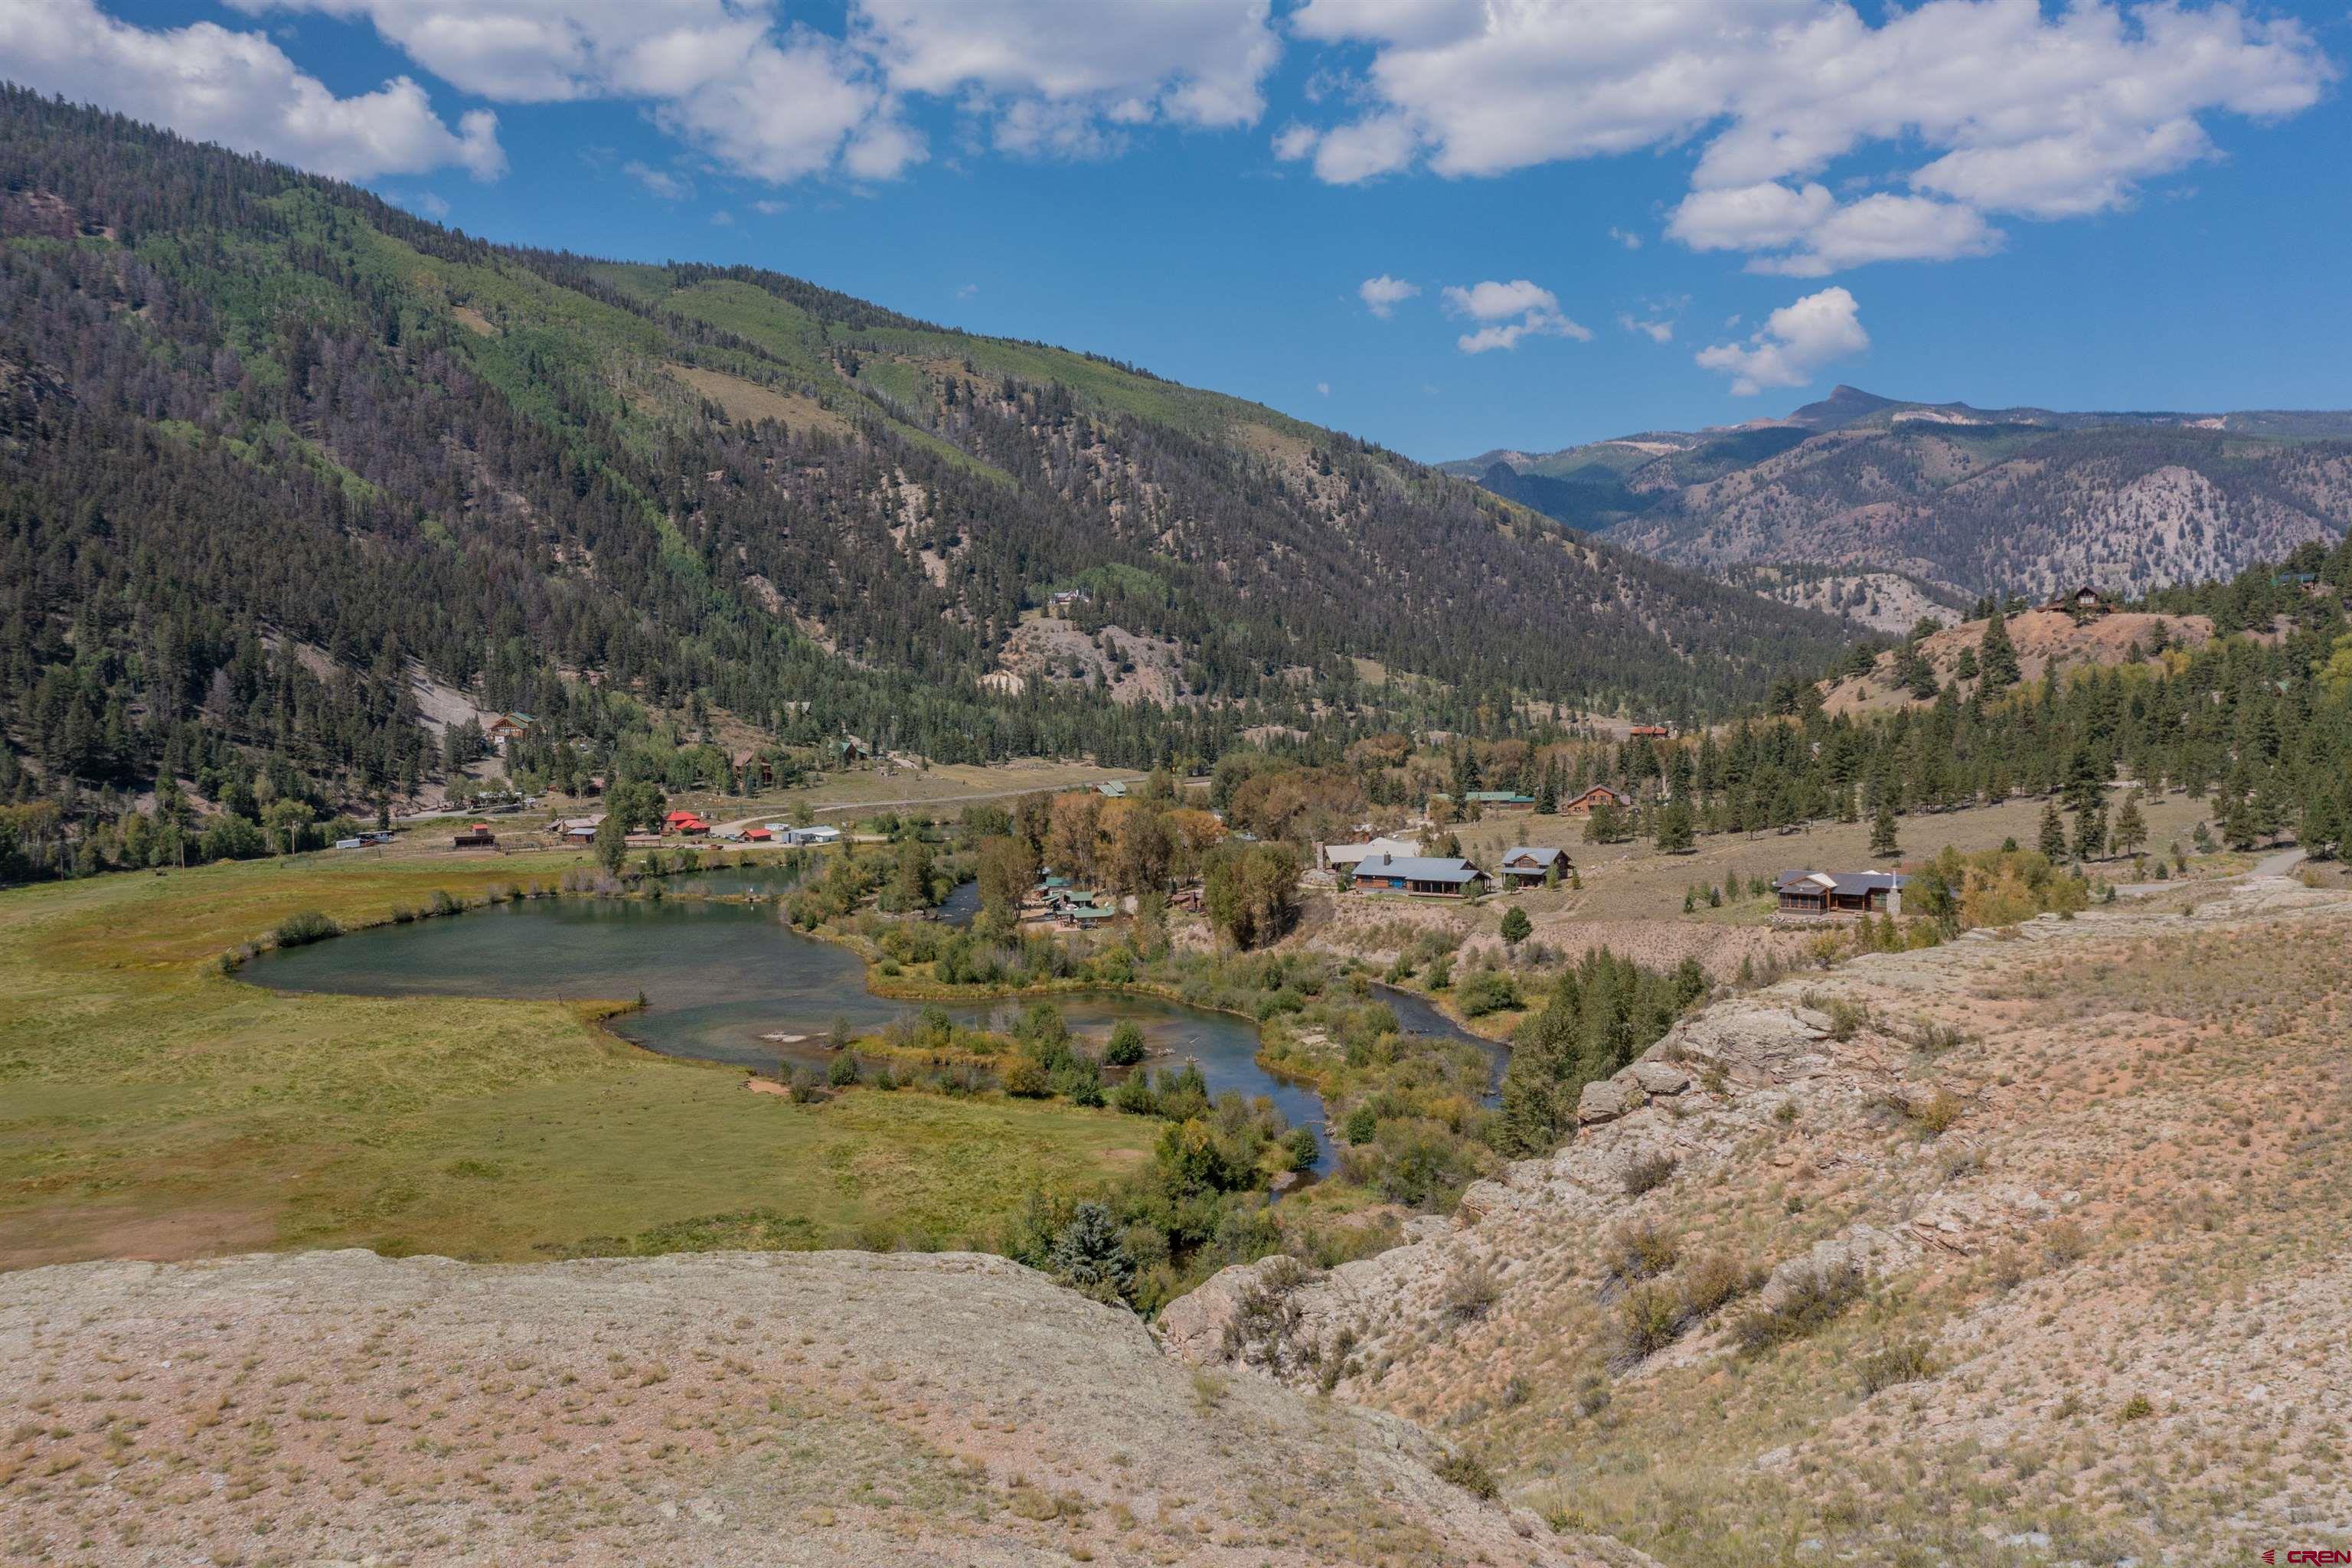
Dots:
pixel 271 451
pixel 2021 500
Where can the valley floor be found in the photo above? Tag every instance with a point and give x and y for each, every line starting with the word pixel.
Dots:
pixel 150 1107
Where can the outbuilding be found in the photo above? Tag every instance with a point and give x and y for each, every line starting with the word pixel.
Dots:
pixel 1594 798
pixel 1531 866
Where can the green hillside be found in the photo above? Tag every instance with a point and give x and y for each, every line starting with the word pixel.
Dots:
pixel 283 467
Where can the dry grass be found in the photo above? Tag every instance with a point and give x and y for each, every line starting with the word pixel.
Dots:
pixel 2138 1211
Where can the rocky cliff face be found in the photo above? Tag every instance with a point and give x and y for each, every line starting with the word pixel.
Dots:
pixel 827 1408
pixel 2016 1251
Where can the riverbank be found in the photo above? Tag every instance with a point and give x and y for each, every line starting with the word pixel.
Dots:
pixel 157 1108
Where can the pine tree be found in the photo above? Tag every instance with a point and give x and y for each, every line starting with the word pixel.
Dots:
pixel 1516 925
pixel 1920 676
pixel 2240 826
pixel 1089 1258
pixel 1884 843
pixel 2322 832
pixel 2054 834
pixel 1675 832
pixel 2091 833
pixel 2131 827
pixel 1996 655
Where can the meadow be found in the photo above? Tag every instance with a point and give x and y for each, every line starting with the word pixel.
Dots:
pixel 158 1107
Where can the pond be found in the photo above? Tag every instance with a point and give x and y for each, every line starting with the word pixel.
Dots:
pixel 720 978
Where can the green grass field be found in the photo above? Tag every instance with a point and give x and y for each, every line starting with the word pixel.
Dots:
pixel 152 1107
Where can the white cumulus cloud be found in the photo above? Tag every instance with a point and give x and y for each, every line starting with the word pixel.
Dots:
pixel 1998 106
pixel 765 95
pixel 219 84
pixel 1065 76
pixel 1793 343
pixel 1491 301
pixel 1536 309
pixel 761 97
pixel 1383 294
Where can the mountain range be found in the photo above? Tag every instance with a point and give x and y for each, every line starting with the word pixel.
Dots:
pixel 1962 500
pixel 277 455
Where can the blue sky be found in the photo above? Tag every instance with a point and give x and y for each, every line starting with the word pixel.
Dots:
pixel 1637 215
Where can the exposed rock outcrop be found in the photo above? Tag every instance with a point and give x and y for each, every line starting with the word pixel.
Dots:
pixel 2012 1195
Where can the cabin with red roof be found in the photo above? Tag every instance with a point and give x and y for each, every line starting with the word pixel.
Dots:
pixel 684 822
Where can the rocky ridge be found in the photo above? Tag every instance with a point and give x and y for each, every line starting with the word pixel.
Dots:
pixel 1984 1246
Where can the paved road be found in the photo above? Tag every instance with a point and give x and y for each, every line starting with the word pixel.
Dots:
pixel 2278 863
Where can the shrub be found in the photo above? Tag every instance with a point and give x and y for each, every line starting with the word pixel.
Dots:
pixel 2065 1242
pixel 1266 1315
pixel 2137 1408
pixel 1464 1470
pixel 309 926
pixel 1810 1297
pixel 1903 1360
pixel 1361 1125
pixel 1714 1280
pixel 1136 1097
pixel 1487 991
pixel 1126 1048
pixel 1641 1251
pixel 1932 1115
pixel 842 1072
pixel 1648 1171
pixel 1846 1018
pixel 1648 1319
pixel 1470 1290
pixel 443 903
pixel 1931 1039
pixel 1953 1163
pixel 1027 1077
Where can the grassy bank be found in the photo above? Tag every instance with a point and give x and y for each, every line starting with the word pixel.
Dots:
pixel 154 1108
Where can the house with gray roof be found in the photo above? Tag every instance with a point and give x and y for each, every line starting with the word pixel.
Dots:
pixel 1424 876
pixel 1840 892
